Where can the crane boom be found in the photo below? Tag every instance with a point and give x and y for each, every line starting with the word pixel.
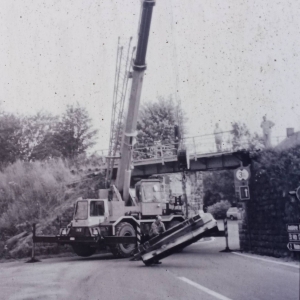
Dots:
pixel 139 67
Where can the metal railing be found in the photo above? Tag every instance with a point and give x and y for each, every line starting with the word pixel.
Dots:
pixel 195 146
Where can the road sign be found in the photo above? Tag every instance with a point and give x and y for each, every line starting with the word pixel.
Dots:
pixel 241 176
pixel 244 193
pixel 293 228
pixel 294 237
pixel 298 192
pixel 293 246
pixel 242 173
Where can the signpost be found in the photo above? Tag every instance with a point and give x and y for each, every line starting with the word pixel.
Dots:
pixel 242 174
pixel 294 237
pixel 244 193
pixel 241 177
pixel 296 193
pixel 293 246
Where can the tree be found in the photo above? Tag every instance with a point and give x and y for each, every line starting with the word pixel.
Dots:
pixel 219 209
pixel 10 137
pixel 74 133
pixel 21 137
pixel 243 139
pixel 156 122
pixel 36 135
pixel 218 185
pixel 47 148
pixel 241 136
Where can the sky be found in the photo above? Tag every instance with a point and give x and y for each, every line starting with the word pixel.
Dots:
pixel 229 60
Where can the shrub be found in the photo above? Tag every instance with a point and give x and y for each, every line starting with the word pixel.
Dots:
pixel 39 192
pixel 29 191
pixel 219 209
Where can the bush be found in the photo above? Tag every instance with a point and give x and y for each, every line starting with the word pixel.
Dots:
pixel 219 209
pixel 39 192
pixel 29 191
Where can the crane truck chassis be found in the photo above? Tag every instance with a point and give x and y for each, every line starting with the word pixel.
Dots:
pixel 103 224
pixel 107 223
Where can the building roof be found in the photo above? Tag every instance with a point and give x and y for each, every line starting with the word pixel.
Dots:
pixel 289 142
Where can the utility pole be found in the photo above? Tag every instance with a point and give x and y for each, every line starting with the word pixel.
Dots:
pixel 184 194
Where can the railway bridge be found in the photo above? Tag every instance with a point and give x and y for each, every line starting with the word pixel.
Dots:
pixel 202 155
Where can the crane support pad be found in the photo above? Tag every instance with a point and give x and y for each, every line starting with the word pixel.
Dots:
pixel 177 238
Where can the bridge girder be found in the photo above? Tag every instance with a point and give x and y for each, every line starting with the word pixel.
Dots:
pixel 203 162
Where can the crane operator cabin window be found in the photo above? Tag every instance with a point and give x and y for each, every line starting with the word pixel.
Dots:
pixel 153 193
pixel 81 212
pixel 97 208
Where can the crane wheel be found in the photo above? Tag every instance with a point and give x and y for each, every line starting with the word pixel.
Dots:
pixel 124 250
pixel 83 250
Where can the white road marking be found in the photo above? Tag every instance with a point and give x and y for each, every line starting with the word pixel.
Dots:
pixel 204 289
pixel 267 260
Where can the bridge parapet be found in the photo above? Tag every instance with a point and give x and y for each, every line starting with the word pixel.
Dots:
pixel 203 144
pixel 196 146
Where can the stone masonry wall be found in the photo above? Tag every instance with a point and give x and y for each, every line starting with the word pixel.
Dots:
pixel 263 229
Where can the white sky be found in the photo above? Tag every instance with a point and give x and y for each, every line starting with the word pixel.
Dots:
pixel 230 60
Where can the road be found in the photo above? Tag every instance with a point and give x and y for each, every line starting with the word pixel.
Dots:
pixel 201 271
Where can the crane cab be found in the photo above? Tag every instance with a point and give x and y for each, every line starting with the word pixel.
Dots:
pixel 90 212
pixel 152 196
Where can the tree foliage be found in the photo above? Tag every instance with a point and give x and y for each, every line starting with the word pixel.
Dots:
pixel 37 129
pixel 242 138
pixel 218 185
pixel 10 138
pixel 74 134
pixel 42 136
pixel 156 122
pixel 219 209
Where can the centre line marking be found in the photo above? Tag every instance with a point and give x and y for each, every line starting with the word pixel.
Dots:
pixel 267 260
pixel 204 289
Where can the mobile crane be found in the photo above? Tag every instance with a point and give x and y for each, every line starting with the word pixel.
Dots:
pixel 122 216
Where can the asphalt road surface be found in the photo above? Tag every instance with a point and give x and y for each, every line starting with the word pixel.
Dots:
pixel 201 271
